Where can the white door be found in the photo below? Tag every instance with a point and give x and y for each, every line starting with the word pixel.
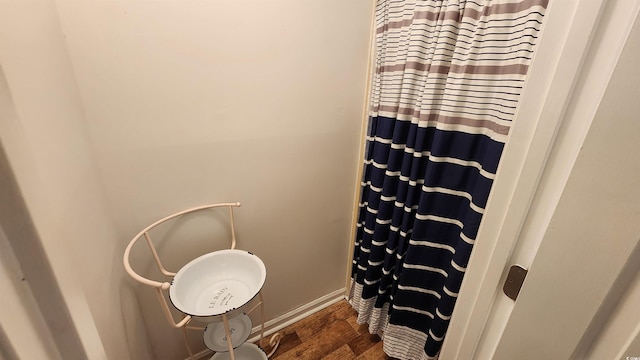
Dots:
pixel 593 231
pixel 566 202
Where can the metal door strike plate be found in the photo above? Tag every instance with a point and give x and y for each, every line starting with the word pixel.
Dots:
pixel 514 281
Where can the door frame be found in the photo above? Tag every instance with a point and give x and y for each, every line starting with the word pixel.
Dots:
pixel 563 62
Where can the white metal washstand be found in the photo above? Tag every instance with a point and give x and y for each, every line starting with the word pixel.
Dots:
pixel 216 288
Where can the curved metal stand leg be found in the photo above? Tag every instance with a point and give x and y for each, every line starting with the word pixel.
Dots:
pixel 261 318
pixel 227 332
pixel 274 341
pixel 186 343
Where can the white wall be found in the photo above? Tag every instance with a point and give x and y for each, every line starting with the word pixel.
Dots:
pixel 20 318
pixel 185 103
pixel 45 139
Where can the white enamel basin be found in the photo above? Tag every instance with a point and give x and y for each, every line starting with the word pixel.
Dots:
pixel 217 283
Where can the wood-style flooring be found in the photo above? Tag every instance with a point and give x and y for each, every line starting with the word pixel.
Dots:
pixel 331 334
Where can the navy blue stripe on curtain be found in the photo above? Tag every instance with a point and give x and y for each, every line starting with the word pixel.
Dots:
pixel 421 205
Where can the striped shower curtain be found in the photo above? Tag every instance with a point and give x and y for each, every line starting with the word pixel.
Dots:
pixel 448 77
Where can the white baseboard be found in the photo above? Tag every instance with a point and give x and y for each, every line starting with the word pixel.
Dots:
pixel 297 314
